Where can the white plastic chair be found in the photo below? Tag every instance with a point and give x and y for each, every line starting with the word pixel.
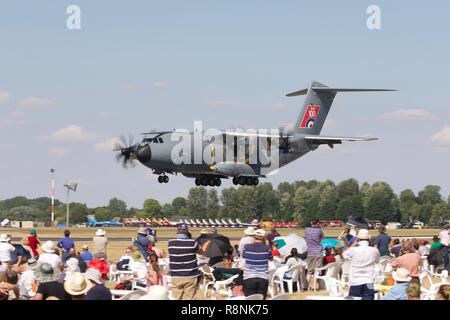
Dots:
pixel 218 285
pixel 257 296
pixel 295 270
pixel 429 294
pixel 332 270
pixel 271 290
pixel 205 283
pixel 335 287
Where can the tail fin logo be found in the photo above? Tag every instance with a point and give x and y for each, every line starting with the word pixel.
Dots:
pixel 310 116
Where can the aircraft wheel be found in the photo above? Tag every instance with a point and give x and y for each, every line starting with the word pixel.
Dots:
pixel 197 182
pixel 242 181
pixel 212 182
pixel 166 179
pixel 255 181
pixel 235 181
pixel 204 182
pixel 218 182
pixel 160 179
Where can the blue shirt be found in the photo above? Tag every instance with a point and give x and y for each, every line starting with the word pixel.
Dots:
pixel 86 256
pixel 398 292
pixel 99 292
pixel 66 243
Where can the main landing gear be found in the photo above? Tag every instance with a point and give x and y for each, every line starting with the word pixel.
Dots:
pixel 163 179
pixel 212 182
pixel 246 181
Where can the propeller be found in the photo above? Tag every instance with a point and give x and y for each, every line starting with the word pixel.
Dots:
pixel 127 149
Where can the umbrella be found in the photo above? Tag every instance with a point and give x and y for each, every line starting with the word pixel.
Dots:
pixel 358 221
pixel 286 243
pixel 330 242
pixel 218 246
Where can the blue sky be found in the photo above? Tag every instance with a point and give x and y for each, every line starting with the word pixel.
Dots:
pixel 141 65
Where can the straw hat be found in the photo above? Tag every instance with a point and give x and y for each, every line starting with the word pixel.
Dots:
pixel 205 231
pixel 260 233
pixel 142 230
pixel 94 275
pixel 156 293
pixel 32 263
pixel 363 234
pixel 48 247
pixel 77 284
pixel 401 275
pixel 249 231
pixel 100 232
pixel 4 237
pixel 255 222
pixel 45 273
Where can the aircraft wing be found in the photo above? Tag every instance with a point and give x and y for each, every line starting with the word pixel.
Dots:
pixel 334 140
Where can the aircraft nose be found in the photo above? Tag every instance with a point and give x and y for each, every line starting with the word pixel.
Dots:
pixel 144 154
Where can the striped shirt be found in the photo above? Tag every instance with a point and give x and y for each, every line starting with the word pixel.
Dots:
pixel 313 237
pixel 183 257
pixel 257 256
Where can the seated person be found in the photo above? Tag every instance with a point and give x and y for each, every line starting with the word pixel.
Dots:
pixel 275 251
pixel 237 290
pixel 413 291
pixel 398 291
pixel 125 260
pixel 329 256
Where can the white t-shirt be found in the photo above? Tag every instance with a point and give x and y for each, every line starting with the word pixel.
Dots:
pixel 24 284
pixel 51 259
pixel 5 251
pixel 363 259
pixel 140 268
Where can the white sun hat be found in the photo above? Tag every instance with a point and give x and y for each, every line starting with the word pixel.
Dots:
pixel 48 247
pixel 401 275
pixel 260 233
pixel 363 234
pixel 100 232
pixel 156 293
pixel 94 275
pixel 4 237
pixel 249 231
pixel 77 284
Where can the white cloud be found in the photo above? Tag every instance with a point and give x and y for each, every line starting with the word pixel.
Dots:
pixel 407 114
pixel 106 145
pixel 4 97
pixel 129 88
pixel 12 119
pixel 223 104
pixel 442 137
pixel 35 103
pixel 159 84
pixel 59 152
pixel 70 133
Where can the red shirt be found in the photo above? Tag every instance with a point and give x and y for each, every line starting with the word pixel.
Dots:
pixel 275 252
pixel 33 242
pixel 101 265
pixel 329 258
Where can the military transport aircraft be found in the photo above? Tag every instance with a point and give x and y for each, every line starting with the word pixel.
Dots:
pixel 253 154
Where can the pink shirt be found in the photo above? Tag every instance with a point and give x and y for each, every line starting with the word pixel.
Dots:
pixel 409 261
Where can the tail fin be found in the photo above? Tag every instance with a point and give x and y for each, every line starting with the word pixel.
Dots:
pixel 317 104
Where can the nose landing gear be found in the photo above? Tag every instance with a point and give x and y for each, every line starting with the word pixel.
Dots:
pixel 163 179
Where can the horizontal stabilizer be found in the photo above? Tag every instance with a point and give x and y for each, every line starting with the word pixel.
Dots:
pixel 334 90
pixel 334 140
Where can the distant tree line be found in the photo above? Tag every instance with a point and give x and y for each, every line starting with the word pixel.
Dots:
pixel 297 201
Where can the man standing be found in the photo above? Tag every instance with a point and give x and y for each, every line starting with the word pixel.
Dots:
pixel 183 264
pixel 248 238
pixel 313 237
pixel 65 244
pixel 256 270
pixel 99 242
pixel 381 242
pixel 363 259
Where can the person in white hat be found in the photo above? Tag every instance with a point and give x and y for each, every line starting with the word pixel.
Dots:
pixel 49 255
pixel 398 292
pixel 48 285
pixel 6 249
pixel 256 270
pixel 98 290
pixel 100 242
pixel 248 238
pixel 156 293
pixel 77 285
pixel 363 258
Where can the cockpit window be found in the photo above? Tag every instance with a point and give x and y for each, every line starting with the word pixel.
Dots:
pixel 148 140
pixel 155 141
pixel 160 140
